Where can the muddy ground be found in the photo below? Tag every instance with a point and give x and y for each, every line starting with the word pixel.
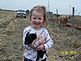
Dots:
pixel 67 41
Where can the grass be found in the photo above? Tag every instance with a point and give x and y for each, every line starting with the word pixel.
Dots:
pixel 64 39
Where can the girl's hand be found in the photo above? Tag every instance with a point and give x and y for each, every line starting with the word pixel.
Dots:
pixel 41 47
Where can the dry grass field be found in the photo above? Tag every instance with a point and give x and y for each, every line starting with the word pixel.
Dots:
pixel 67 41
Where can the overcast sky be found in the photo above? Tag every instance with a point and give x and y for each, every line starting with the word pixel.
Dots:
pixel 63 6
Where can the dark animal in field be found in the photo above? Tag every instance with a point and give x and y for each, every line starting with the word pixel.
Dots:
pixel 63 20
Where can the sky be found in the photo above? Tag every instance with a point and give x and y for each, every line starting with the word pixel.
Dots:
pixel 63 6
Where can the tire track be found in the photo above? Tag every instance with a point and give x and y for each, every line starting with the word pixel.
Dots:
pixel 5 23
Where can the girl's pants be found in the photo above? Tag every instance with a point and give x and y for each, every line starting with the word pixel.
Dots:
pixel 25 59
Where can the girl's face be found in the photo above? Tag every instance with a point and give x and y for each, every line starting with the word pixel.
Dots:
pixel 37 19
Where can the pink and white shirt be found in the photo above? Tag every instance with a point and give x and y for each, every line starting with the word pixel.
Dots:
pixel 31 53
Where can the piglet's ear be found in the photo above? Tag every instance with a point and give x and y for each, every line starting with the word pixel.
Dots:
pixel 27 33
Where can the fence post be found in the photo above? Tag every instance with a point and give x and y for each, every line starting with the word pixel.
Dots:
pixel 73 11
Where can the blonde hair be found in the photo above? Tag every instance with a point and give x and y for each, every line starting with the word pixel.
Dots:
pixel 40 8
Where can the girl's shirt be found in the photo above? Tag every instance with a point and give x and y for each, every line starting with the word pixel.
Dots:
pixel 30 52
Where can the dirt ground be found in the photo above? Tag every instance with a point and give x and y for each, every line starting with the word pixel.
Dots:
pixel 67 41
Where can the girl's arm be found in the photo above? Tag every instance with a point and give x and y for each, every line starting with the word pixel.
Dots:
pixel 48 42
